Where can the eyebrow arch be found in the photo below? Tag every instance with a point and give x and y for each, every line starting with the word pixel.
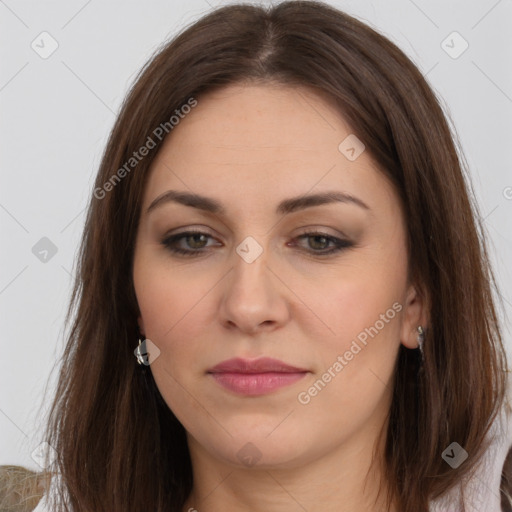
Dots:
pixel 285 207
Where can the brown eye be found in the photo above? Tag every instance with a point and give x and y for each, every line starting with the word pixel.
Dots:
pixel 194 242
pixel 319 243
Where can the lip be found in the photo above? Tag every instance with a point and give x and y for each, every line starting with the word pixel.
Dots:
pixel 262 365
pixel 255 377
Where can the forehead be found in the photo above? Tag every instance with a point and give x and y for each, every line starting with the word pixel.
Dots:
pixel 261 117
pixel 264 142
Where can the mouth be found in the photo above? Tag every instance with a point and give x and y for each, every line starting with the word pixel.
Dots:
pixel 255 377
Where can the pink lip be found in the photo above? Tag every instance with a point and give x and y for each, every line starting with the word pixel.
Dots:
pixel 255 377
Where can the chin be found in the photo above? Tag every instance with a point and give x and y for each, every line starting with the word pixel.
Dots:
pixel 260 452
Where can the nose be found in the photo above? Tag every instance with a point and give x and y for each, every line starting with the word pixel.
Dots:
pixel 254 298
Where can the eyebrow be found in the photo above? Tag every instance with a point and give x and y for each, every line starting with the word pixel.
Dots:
pixel 286 206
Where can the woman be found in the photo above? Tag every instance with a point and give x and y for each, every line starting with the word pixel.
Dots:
pixel 283 298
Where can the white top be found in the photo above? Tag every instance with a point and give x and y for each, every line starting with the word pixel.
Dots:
pixel 483 492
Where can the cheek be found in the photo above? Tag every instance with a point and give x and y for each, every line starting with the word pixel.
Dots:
pixel 173 315
pixel 177 316
pixel 167 296
pixel 356 364
pixel 358 356
pixel 354 399
pixel 362 355
pixel 362 298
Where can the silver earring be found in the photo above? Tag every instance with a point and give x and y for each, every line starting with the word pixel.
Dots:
pixel 421 338
pixel 141 353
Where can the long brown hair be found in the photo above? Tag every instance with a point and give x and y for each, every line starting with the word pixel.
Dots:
pixel 119 447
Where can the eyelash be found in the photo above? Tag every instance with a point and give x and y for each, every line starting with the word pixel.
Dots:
pixel 168 242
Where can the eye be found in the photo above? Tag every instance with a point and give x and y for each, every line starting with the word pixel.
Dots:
pixel 196 240
pixel 320 242
pixel 196 243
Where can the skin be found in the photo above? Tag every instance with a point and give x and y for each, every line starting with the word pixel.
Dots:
pixel 249 147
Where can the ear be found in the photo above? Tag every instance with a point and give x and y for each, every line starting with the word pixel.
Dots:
pixel 141 326
pixel 415 313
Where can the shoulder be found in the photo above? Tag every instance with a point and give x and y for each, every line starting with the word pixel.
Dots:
pixel 20 485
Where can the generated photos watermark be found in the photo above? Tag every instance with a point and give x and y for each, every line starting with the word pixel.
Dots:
pixel 305 397
pixel 159 133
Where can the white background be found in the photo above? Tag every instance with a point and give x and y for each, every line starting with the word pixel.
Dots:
pixel 56 114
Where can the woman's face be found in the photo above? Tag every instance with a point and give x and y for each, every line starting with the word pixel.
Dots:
pixel 318 284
